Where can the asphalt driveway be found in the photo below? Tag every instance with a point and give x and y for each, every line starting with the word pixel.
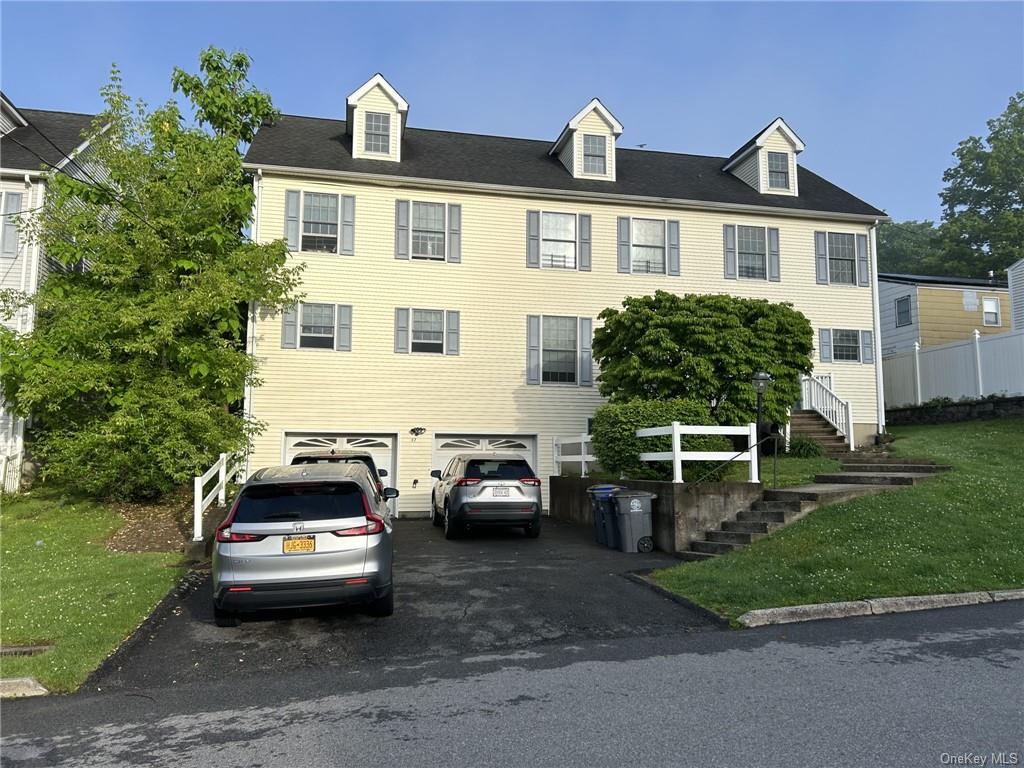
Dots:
pixel 496 592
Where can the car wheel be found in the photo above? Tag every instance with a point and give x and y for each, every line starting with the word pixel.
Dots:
pixel 224 618
pixel 435 517
pixel 450 529
pixel 383 606
pixel 532 530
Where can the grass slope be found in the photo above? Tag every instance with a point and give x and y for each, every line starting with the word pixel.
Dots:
pixel 961 531
pixel 61 585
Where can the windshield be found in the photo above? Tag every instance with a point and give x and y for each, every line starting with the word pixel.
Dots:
pixel 334 460
pixel 498 469
pixel 273 503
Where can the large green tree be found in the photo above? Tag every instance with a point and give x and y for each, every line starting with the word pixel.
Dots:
pixel 135 361
pixel 704 348
pixel 908 247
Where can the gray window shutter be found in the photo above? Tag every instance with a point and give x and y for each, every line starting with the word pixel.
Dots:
pixel 825 345
pixel 586 331
pixel 348 225
pixel 533 349
pixel 773 255
pixel 452 334
pixel 821 257
pixel 455 233
pixel 625 262
pixel 729 250
pixel 291 219
pixel 673 247
pixel 584 232
pixel 401 330
pixel 290 327
pixel 401 229
pixel 533 239
pixel 12 205
pixel 867 347
pixel 863 278
pixel 343 328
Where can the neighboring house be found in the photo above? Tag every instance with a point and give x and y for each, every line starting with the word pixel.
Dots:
pixel 1015 278
pixel 31 141
pixel 939 310
pixel 453 281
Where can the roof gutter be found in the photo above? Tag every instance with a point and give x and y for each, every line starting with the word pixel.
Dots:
pixel 387 180
pixel 876 321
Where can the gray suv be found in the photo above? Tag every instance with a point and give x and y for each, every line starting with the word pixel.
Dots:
pixel 477 489
pixel 312 534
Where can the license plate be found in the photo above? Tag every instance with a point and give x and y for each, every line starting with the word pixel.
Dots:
pixel 499 491
pixel 293 544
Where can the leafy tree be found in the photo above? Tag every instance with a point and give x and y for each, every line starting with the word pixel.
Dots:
pixel 135 361
pixel 909 247
pixel 983 202
pixel 706 348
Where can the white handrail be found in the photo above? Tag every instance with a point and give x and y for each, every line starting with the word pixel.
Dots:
pixel 677 455
pixel 584 456
pixel 818 396
pixel 219 491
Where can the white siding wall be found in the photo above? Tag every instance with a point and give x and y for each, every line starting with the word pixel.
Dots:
pixel 376 100
pixel 896 339
pixel 1016 276
pixel 22 272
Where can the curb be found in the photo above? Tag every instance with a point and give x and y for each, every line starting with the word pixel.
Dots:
pixel 20 687
pixel 643 577
pixel 872 607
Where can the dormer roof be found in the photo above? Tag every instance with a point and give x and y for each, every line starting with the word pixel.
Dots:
pixel 594 105
pixel 378 80
pixel 778 124
pixel 11 111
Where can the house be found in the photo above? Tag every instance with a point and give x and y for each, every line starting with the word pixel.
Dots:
pixel 939 310
pixel 453 281
pixel 31 141
pixel 1015 279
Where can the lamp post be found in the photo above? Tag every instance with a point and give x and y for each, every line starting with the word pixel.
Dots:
pixel 760 380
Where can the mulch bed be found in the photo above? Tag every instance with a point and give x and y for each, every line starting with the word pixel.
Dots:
pixel 160 526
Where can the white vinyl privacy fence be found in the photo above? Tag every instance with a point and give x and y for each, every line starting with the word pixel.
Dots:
pixel 980 366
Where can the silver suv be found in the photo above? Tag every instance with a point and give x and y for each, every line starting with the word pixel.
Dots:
pixel 313 534
pixel 486 489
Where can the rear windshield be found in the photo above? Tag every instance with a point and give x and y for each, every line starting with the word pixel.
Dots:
pixel 498 469
pixel 330 460
pixel 275 503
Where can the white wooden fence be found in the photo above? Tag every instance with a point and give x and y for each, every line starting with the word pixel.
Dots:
pixel 200 502
pixel 816 394
pixel 677 455
pixel 565 453
pixel 980 366
pixel 10 473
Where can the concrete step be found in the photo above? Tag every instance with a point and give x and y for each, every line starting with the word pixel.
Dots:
pixel 694 557
pixel 714 547
pixel 814 434
pixel 863 457
pixel 872 478
pixel 823 493
pixel 749 526
pixel 859 466
pixel 733 537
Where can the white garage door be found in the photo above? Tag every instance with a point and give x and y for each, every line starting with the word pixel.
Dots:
pixel 381 447
pixel 446 446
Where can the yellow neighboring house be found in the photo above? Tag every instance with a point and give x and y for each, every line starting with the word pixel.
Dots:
pixel 939 310
pixel 453 280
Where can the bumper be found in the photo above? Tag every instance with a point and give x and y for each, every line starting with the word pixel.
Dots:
pixel 498 514
pixel 299 594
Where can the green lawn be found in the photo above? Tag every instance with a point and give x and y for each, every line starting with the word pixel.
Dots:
pixel 62 586
pixel 962 531
pixel 789 471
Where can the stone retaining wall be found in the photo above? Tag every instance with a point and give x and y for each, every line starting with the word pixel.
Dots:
pixel 995 408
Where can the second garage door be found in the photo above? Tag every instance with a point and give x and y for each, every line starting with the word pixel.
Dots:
pixel 446 446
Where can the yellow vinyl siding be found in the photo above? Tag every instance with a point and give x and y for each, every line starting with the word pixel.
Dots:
pixel 943 317
pixel 568 153
pixel 483 390
pixel 748 171
pixel 777 142
pixel 595 125
pixel 376 100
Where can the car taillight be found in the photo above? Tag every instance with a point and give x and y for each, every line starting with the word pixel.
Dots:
pixel 529 480
pixel 225 536
pixel 374 523
pixel 467 481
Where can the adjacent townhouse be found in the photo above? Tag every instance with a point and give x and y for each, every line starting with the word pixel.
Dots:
pixel 31 141
pixel 453 281
pixel 1015 281
pixel 931 310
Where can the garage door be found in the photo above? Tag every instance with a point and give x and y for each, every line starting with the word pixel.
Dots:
pixel 380 447
pixel 446 446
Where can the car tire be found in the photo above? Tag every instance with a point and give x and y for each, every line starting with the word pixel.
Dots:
pixel 435 518
pixel 383 606
pixel 532 530
pixel 450 530
pixel 224 618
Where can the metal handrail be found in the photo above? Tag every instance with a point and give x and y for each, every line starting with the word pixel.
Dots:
pixel 775 460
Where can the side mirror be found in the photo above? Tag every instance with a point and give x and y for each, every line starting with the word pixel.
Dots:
pixel 382 472
pixel 436 474
pixel 390 493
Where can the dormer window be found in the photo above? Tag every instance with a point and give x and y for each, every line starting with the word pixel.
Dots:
pixel 778 170
pixel 595 158
pixel 375 119
pixel 378 133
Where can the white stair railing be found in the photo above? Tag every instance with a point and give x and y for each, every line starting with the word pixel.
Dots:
pixel 817 396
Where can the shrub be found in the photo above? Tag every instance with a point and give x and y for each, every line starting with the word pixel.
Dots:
pixel 804 448
pixel 618 448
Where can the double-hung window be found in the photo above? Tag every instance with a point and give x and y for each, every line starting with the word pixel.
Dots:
pixel 559 349
pixel 428 331
pixel 778 170
pixel 595 159
pixel 846 345
pixel 316 328
pixel 378 133
pixel 428 230
pixel 903 316
pixel 10 205
pixel 990 307
pixel 558 240
pixel 320 222
pixel 648 252
pixel 842 258
pixel 751 252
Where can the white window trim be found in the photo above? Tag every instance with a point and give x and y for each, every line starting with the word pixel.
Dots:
pixel 999 312
pixel 444 330
pixel 832 336
pixel 302 222
pixel 828 260
pixel 428 259
pixel 576 229
pixel 583 156
pixel 575 383
pixel 768 167
pixel 334 325
pixel 896 311
pixel 632 244
pixel 746 277
pixel 391 120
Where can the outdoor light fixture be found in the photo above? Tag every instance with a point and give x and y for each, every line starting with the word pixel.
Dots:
pixel 417 431
pixel 761 381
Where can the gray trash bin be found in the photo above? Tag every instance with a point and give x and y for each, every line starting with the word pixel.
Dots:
pixel 633 516
pixel 602 507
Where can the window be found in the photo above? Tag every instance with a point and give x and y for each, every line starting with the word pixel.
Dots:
pixel 649 246
pixel 991 309
pixel 903 311
pixel 558 350
pixel 558 240
pixel 842 258
pixel 320 222
pixel 428 231
pixel 594 158
pixel 751 252
pixel 317 327
pixel 428 331
pixel 378 132
pixel 778 170
pixel 846 345
pixel 498 469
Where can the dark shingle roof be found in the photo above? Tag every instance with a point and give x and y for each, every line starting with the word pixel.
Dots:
pixel 967 282
pixel 62 128
pixel 316 143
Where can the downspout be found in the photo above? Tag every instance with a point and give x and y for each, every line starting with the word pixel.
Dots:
pixel 36 257
pixel 250 337
pixel 25 313
pixel 876 319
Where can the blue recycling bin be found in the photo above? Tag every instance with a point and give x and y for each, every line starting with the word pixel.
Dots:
pixel 602 508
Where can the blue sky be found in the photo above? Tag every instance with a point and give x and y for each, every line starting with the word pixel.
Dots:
pixel 880 92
